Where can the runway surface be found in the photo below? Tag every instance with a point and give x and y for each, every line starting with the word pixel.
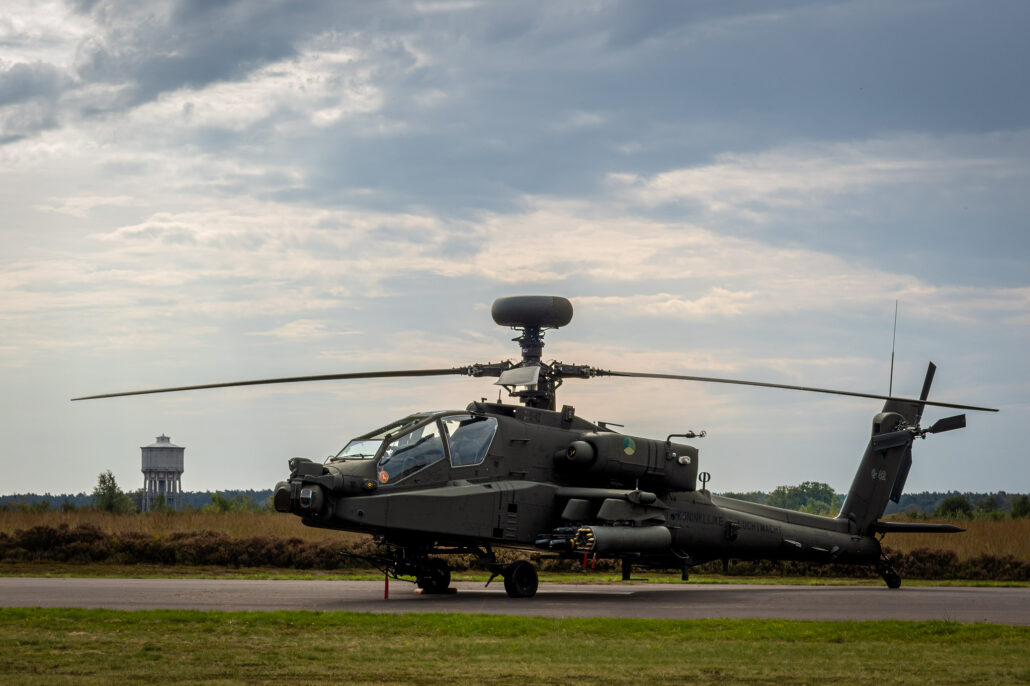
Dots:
pixel 673 601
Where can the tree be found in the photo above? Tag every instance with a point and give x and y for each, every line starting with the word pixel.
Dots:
pixel 988 504
pixel 223 503
pixel 988 508
pixel 954 506
pixel 1021 506
pixel 810 496
pixel 109 498
pixel 220 503
pixel 749 496
pixel 159 504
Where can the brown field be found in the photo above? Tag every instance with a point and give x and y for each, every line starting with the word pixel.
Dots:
pixel 234 524
pixel 982 537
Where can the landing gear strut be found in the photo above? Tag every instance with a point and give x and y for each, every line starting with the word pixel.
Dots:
pixel 432 574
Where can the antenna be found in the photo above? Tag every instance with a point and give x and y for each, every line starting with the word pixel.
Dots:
pixel 894 338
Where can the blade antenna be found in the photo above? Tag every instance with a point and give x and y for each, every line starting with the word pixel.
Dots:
pixel 894 338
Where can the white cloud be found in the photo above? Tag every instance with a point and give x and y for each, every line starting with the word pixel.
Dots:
pixel 579 120
pixel 446 6
pixel 318 87
pixel 82 205
pixel 304 329
pixel 44 30
pixel 201 210
pixel 750 185
pixel 283 259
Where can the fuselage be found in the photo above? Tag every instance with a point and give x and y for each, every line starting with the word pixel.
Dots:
pixel 512 476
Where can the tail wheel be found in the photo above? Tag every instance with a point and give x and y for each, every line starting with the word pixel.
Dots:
pixel 892 578
pixel 435 577
pixel 889 574
pixel 520 580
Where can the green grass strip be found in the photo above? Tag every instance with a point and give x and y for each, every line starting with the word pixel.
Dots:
pixel 58 646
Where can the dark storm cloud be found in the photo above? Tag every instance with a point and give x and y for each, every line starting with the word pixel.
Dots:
pixel 674 81
pixel 28 99
pixel 673 87
pixel 685 85
pixel 27 81
pixel 482 104
pixel 193 45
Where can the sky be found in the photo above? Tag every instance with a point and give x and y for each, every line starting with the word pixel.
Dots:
pixel 197 191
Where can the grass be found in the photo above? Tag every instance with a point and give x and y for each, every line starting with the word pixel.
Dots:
pixel 102 646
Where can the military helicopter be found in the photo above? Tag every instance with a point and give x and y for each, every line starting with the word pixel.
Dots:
pixel 530 476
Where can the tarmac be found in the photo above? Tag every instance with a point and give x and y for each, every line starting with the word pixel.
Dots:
pixel 667 601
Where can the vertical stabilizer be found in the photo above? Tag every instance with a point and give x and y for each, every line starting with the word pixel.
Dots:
pixel 885 465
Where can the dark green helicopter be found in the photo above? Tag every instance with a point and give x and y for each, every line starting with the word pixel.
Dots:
pixel 532 476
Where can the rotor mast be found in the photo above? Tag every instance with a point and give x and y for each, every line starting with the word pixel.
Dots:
pixel 532 381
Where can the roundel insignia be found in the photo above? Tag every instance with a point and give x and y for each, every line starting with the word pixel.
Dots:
pixel 383 477
pixel 629 446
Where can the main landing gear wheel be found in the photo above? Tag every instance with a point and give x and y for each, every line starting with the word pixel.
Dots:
pixel 520 580
pixel 435 577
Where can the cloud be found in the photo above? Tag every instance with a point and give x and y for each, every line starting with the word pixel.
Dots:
pixel 580 120
pixel 81 206
pixel 798 175
pixel 28 98
pixel 201 266
pixel 314 87
pixel 165 46
pixel 307 329
pixel 28 81
pixel 236 189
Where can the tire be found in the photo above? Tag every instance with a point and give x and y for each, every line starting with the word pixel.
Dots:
pixel 435 577
pixel 890 575
pixel 520 580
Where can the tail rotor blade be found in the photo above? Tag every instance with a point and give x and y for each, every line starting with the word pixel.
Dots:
pixel 930 370
pixel 948 424
pixel 925 393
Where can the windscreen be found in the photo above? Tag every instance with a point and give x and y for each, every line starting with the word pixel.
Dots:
pixel 410 452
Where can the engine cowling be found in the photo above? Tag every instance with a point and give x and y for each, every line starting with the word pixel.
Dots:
pixel 627 460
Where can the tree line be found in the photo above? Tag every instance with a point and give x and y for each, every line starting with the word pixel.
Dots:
pixel 819 498
pixel 810 496
pixel 107 496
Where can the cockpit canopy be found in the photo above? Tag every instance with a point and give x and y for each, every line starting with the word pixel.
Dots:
pixel 417 441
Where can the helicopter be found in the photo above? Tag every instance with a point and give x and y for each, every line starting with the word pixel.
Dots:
pixel 531 476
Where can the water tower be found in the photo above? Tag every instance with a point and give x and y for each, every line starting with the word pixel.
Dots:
pixel 162 473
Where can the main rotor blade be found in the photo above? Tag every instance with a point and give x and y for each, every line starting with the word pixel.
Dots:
pixel 710 379
pixel 465 371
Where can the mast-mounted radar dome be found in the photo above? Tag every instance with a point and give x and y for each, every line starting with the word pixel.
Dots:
pixel 532 311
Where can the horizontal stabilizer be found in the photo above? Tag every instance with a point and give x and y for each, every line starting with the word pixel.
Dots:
pixel 890 440
pixel 915 528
